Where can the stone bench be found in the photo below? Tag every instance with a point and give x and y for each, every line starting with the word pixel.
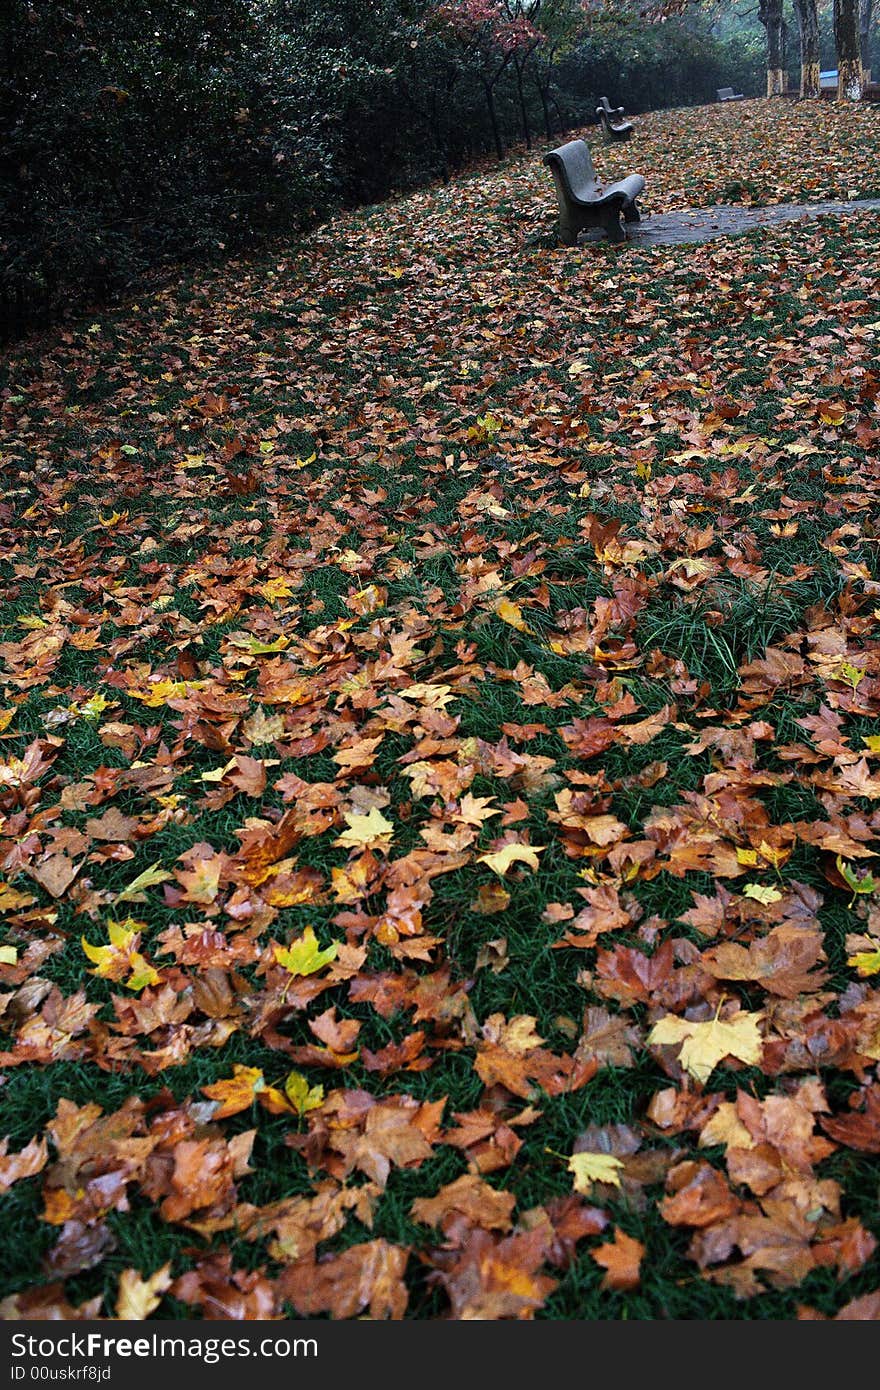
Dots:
pixel 614 127
pixel 728 94
pixel 583 202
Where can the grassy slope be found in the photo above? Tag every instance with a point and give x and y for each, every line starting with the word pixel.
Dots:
pixel 376 345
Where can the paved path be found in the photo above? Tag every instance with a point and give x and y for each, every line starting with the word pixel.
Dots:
pixel 704 224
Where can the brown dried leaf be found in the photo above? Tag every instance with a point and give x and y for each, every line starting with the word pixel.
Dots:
pixel 621 1257
pixel 363 1276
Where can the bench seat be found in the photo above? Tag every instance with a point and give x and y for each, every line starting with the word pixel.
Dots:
pixel 583 202
pixel 614 127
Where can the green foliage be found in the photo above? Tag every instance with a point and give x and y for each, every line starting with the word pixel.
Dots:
pixel 646 67
pixel 138 135
pixel 134 134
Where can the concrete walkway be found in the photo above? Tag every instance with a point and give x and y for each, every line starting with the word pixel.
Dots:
pixel 704 224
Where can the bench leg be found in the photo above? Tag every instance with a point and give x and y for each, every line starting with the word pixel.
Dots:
pixel 568 229
pixel 613 229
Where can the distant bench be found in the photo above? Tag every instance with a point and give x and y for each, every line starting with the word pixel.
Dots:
pixel 584 203
pixel 728 94
pixel 613 124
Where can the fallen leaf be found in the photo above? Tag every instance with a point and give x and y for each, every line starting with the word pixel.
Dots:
pixel 590 1168
pixel 499 861
pixel 366 831
pixel 704 1045
pixel 621 1257
pixel 136 1297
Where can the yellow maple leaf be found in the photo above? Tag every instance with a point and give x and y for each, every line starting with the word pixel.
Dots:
pixel 134 893
pixel 305 956
pixel 120 957
pixel 111 961
pixel 254 647
pixel 94 707
pixel 704 1045
pixel 11 899
pixel 142 972
pixel 218 773
pixel 693 565
pixel 160 691
pixel 594 1167
pixel 371 830
pixel 368 599
pixel 486 428
pixel 236 1092
pixel 436 696
pixel 853 675
pixel 865 962
pixel 511 613
pixel 137 1298
pixel 761 894
pixel 776 857
pixel 301 1095
pixel 500 861
pixel 725 1127
pixel 276 588
pixel 474 810
pixel 752 857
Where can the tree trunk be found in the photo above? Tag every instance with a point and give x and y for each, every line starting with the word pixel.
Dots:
pixel 489 89
pixel 545 107
pixel 524 115
pixel 865 9
pixel 808 26
pixel 849 59
pixel 770 15
pixel 542 76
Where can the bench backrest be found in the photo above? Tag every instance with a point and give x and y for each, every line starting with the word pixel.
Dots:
pixel 724 92
pixel 573 164
pixel 605 104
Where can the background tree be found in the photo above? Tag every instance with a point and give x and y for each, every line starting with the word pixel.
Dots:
pixel 866 8
pixel 525 13
pixel 489 35
pixel 808 31
pixel 562 24
pixel 848 45
pixel 770 15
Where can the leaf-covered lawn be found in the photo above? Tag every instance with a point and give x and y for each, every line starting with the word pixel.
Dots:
pixel 440 764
